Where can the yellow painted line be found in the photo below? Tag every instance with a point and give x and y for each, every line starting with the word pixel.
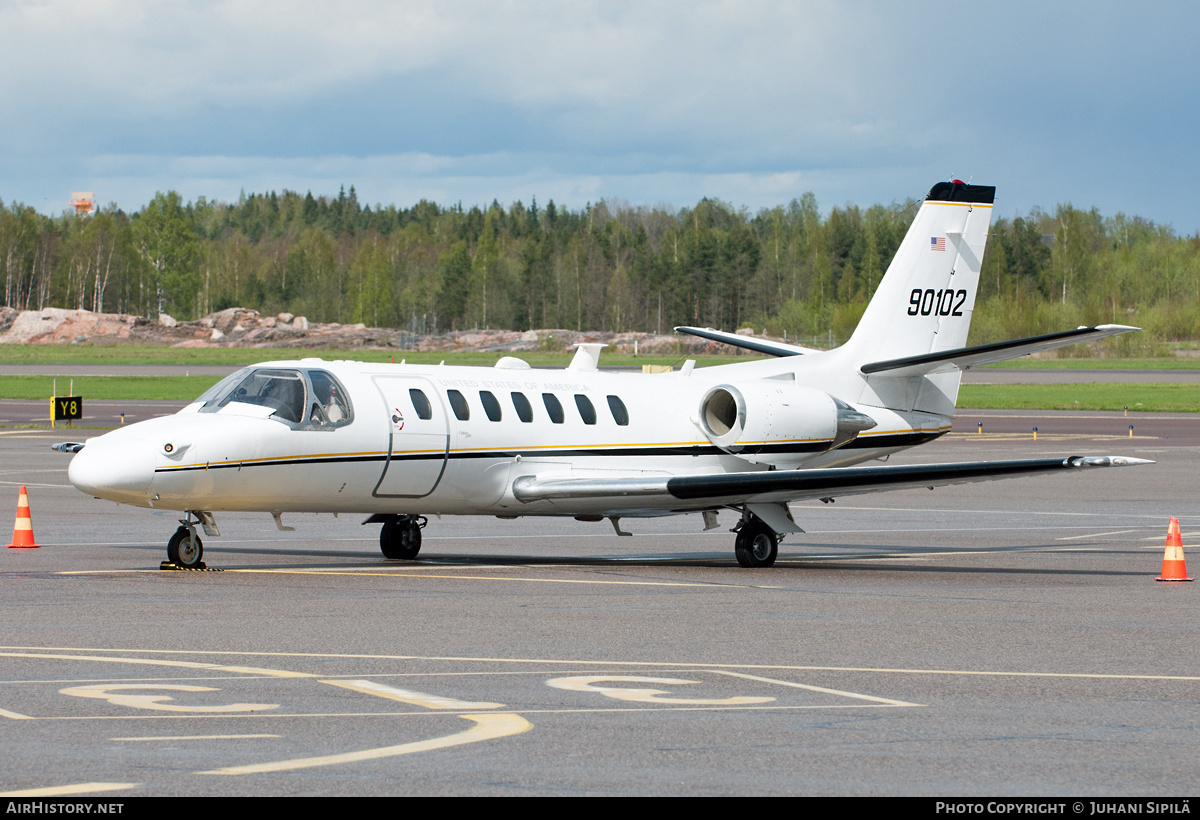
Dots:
pixel 637 664
pixel 1094 535
pixel 246 670
pixel 488 727
pixel 62 791
pixel 958 204
pixel 14 715
pixel 408 696
pixel 839 692
pixel 193 737
pixel 405 714
pixel 1043 436
pixel 494 578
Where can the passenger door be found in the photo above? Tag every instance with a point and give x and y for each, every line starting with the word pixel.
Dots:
pixel 418 437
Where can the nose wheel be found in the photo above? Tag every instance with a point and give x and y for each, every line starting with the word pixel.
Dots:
pixel 400 537
pixel 185 549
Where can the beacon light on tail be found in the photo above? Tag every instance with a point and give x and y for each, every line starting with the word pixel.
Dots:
pixel 398 443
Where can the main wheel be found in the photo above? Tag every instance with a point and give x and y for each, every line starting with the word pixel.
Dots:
pixel 184 549
pixel 756 545
pixel 400 539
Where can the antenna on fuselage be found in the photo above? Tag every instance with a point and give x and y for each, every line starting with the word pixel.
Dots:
pixel 587 356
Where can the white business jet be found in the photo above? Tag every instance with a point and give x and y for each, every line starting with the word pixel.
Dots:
pixel 399 442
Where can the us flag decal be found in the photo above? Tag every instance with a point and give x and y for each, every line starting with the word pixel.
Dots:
pixel 937 243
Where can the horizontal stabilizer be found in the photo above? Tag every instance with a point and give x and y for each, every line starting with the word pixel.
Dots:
pixel 965 357
pixel 748 342
pixel 795 485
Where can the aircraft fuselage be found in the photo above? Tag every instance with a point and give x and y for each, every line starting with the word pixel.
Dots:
pixel 397 455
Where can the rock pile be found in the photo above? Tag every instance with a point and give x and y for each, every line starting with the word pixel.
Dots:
pixel 239 327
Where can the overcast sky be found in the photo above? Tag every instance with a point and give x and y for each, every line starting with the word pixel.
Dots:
pixel 754 103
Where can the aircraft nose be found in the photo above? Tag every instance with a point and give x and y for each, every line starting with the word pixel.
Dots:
pixel 113 469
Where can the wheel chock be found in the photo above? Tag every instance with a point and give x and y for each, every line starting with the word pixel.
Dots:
pixel 167 566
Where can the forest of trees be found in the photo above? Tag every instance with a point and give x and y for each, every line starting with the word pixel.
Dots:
pixel 609 266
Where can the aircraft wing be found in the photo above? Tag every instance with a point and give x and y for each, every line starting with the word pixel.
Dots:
pixel 777 486
pixel 964 357
pixel 748 342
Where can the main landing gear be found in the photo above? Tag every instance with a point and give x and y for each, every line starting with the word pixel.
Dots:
pixel 756 545
pixel 400 537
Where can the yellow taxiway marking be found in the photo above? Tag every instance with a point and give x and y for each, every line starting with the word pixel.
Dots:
pixel 857 696
pixel 121 697
pixel 494 578
pixel 1042 436
pixel 14 715
pixel 581 710
pixel 408 696
pixel 77 788
pixel 192 737
pixel 246 670
pixel 588 683
pixel 1094 535
pixel 488 727
pixel 31 652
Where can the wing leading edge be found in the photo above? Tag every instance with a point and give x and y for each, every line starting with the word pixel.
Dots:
pixel 798 485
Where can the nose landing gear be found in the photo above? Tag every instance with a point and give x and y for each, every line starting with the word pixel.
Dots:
pixel 185 549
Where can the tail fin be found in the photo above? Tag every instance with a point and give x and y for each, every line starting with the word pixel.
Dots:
pixel 925 300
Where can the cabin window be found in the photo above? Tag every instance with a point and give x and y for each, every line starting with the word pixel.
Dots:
pixel 523 407
pixel 421 404
pixel 586 411
pixel 458 403
pixel 490 405
pixel 553 407
pixel 619 413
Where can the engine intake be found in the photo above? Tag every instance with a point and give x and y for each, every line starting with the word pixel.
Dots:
pixel 777 423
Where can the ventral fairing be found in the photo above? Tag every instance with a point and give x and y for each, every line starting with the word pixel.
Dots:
pixel 400 442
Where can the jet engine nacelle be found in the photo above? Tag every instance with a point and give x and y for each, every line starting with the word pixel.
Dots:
pixel 777 423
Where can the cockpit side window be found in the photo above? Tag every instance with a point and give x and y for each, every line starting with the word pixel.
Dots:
pixel 330 406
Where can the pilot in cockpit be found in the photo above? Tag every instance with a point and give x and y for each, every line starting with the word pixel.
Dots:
pixel 329 402
pixel 287 395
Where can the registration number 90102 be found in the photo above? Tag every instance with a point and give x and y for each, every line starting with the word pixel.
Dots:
pixel 930 302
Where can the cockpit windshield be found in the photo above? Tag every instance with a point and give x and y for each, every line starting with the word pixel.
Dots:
pixel 300 398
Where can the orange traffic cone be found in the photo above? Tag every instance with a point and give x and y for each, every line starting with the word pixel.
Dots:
pixel 1174 568
pixel 23 529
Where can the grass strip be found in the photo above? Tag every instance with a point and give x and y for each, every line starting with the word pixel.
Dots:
pixel 1155 397
pixel 97 388
pixel 1106 363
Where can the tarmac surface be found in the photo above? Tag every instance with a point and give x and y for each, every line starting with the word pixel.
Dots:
pixel 1005 638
